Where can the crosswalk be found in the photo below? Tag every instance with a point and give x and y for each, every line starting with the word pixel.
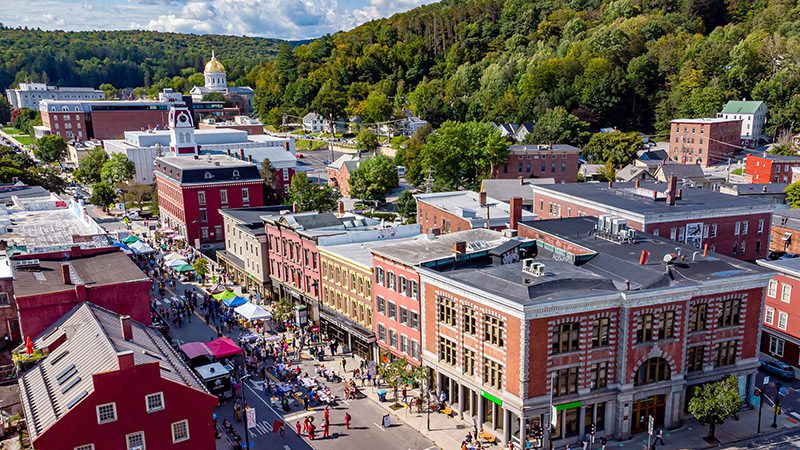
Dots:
pixel 261 428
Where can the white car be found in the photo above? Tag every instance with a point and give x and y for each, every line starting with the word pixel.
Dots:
pixel 401 171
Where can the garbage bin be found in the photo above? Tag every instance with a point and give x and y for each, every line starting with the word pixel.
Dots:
pixel 382 395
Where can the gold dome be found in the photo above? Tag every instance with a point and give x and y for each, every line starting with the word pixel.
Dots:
pixel 214 65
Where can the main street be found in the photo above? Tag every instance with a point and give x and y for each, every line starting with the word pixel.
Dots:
pixel 365 430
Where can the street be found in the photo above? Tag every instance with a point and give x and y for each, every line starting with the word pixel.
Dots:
pixel 365 430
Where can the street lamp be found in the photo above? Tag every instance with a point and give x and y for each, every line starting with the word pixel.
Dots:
pixel 776 408
pixel 244 410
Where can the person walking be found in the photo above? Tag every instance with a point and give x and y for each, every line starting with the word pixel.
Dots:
pixel 326 429
pixel 297 427
pixel 659 437
pixel 603 443
pixel 347 420
pixel 326 414
pixel 311 429
pixel 344 365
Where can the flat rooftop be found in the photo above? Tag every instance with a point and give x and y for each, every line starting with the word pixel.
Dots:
pixel 789 266
pixel 466 204
pixel 625 197
pixel 561 148
pixel 704 120
pixel 424 248
pixel 38 229
pixel 99 270
pixel 606 267
pixel 361 253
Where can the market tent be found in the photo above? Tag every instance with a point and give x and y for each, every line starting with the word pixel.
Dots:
pixel 223 347
pixel 174 256
pixel 252 312
pixel 234 302
pixel 176 263
pixel 140 248
pixel 183 268
pixel 193 350
pixel 130 239
pixel 224 295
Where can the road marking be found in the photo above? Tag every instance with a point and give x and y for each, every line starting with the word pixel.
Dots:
pixel 795 415
pixel 379 427
pixel 299 415
pixel 286 447
pixel 256 385
pixel 166 300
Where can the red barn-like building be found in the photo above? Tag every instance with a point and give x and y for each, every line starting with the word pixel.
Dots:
pixel 112 383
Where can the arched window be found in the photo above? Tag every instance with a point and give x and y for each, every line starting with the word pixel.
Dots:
pixel 186 137
pixel 180 138
pixel 652 371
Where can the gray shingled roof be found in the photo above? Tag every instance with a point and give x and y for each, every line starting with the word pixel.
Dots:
pixel 93 340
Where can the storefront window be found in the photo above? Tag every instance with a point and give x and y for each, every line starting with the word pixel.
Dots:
pixel 571 422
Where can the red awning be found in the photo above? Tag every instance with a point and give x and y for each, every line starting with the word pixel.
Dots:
pixel 193 350
pixel 223 347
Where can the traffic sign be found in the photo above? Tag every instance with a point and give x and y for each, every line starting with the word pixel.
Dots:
pixel 650 425
pixel 766 380
pixel 251 417
pixel 783 391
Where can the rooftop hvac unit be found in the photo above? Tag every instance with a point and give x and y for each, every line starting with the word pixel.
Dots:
pixel 531 267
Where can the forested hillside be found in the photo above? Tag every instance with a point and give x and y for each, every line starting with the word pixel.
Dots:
pixel 121 58
pixel 633 64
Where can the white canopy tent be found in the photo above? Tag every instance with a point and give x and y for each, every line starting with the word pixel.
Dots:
pixel 140 248
pixel 176 263
pixel 174 256
pixel 253 312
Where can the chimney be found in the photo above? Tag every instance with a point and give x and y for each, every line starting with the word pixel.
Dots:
pixel 610 184
pixel 521 180
pixel 75 252
pixel 764 189
pixel 126 326
pixel 636 183
pixel 126 360
pixel 515 207
pixel 482 198
pixel 644 257
pixel 340 207
pixel 705 250
pixel 672 189
pixel 459 248
pixel 80 293
pixel 241 154
pixel 249 158
pixel 65 273
pixel 229 152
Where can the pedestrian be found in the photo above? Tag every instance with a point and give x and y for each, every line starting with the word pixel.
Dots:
pixel 405 395
pixel 311 429
pixel 344 365
pixel 603 443
pixel 583 445
pixel 326 429
pixel 326 413
pixel 659 436
pixel 347 420
pixel 297 427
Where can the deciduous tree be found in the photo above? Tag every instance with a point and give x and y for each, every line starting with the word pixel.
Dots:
pixel 367 140
pixel 557 126
pixel 373 179
pixel 311 196
pixel 50 149
pixel 616 148
pixel 91 165
pixel 117 169
pixel 712 403
pixel 102 195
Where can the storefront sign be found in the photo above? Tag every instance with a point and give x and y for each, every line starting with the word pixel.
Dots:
pixel 571 405
pixel 491 398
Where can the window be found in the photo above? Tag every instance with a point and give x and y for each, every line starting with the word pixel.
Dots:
pixel 783 319
pixel 726 353
pixel 651 371
pixel 600 332
pixel 180 431
pixel 201 197
pixel 106 413
pixel 393 338
pixel 403 316
pixel 694 358
pixel 381 333
pixel 447 351
pixel 738 228
pixel 415 349
pixel 470 321
pixel 155 402
pixel 644 328
pixel 730 313
pixel 85 447
pixel 493 331
pixel 135 440
pixel 769 315
pixel 391 281
pixel 414 291
pixel 379 274
pixel 404 344
pixel 566 381
pixel 697 317
pixel 245 195
pixel 565 337
pixel 218 231
pixel 492 373
pixel 381 305
pixel 776 346
pixel 667 330
pixel 414 320
pixel 714 230
pixel 469 362
pixel 391 310
pixel 772 288
pixel 760 226
pixel 786 292
pixel 203 215
pixel 223 196
pixel 4 299
pixel 403 285
pixel 447 311
pixel 600 375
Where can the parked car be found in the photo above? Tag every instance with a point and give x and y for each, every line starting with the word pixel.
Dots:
pixel 300 155
pixel 401 171
pixel 778 369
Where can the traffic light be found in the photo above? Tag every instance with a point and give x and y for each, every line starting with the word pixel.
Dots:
pixel 776 409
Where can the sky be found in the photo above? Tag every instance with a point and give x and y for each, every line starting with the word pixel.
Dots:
pixel 283 19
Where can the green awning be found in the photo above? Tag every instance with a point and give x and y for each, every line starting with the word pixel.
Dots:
pixel 224 295
pixel 130 239
pixel 184 268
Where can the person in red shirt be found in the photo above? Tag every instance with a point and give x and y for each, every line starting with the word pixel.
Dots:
pixel 297 427
pixel 326 428
pixel 347 420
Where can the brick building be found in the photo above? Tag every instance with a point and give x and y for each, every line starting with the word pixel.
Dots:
pixel 785 232
pixel 733 226
pixel 111 383
pixel 339 171
pixel 47 286
pixel 706 141
pixel 769 168
pixel 603 322
pixel 781 319
pixel 557 161
pixel 397 307
pixel 445 212
pixel 192 190
pixel 9 322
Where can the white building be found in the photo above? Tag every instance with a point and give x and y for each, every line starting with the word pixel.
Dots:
pixel 28 95
pixel 753 115
pixel 313 123
pixel 216 80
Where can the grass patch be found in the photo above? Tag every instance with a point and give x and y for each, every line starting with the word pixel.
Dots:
pixel 737 171
pixel 12 130
pixel 24 139
pixel 309 145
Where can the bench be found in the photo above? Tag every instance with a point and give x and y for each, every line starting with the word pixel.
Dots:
pixel 490 438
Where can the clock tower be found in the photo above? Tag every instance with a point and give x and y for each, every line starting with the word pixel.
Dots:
pixel 181 132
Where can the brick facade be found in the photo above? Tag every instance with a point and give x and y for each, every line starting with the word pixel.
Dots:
pixel 769 170
pixel 703 141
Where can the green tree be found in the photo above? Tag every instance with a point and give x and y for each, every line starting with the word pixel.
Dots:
pixel 399 373
pixel 367 140
pixel 374 178
pixel 793 194
pixel 311 196
pixel 461 154
pixel 200 267
pixel 407 206
pixel 109 90
pixel 557 126
pixel 102 195
pixel 375 108
pixel 138 194
pixel 117 169
pixel 273 191
pixel 616 148
pixel 783 149
pixel 282 309
pixel 90 166
pixel 714 402
pixel 330 102
pixel 50 149
pixel 214 97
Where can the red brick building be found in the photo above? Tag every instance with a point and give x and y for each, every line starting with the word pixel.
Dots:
pixel 446 212
pixel 781 319
pixel 770 168
pixel 588 316
pixel 110 383
pixel 706 141
pixel 730 225
pixel 557 161
pixel 785 232
pixel 46 287
pixel 9 322
pixel 192 190
pixel 339 171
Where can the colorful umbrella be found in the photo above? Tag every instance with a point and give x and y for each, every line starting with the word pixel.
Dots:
pixel 28 346
pixel 223 347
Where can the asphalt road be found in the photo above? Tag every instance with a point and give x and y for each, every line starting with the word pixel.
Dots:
pixel 365 431
pixel 790 403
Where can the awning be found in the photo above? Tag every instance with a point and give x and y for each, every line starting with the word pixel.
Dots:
pixel 140 248
pixel 787 236
pixel 176 263
pixel 184 268
pixel 130 239
pixel 253 312
pixel 223 347
pixel 224 295
pixel 173 256
pixel 235 301
pixel 193 350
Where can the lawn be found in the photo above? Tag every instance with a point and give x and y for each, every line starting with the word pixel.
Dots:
pixel 309 145
pixel 24 139
pixel 12 130
pixel 737 171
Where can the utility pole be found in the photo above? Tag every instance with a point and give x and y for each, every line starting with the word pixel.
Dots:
pixel 551 424
pixel 761 399
pixel 776 408
pixel 244 410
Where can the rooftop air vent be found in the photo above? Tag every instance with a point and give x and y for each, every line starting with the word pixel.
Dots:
pixel 531 267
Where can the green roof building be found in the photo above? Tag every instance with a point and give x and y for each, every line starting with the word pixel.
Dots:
pixel 753 115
